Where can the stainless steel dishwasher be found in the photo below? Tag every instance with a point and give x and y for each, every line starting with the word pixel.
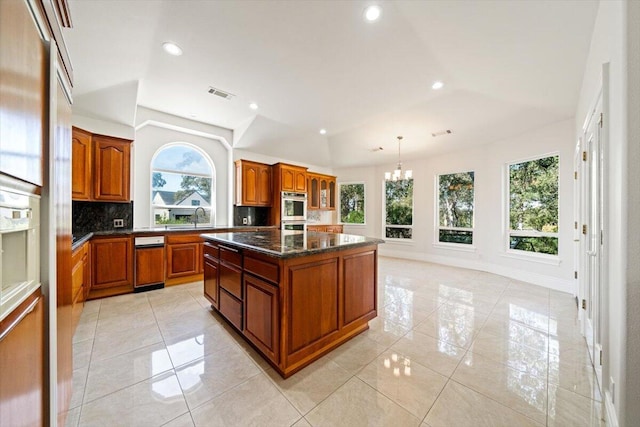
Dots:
pixel 149 266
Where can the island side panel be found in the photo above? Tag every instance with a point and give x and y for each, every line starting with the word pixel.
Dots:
pixel 360 296
pixel 313 302
pixel 360 273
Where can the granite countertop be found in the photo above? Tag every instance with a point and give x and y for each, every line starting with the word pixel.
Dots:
pixel 80 238
pixel 289 244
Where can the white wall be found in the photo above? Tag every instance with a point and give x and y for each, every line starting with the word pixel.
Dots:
pixel 488 163
pixel 609 46
pixel 156 129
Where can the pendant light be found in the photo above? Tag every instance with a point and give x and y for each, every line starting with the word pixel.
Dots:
pixel 397 173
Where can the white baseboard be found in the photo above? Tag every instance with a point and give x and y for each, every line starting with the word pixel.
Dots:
pixel 550 282
pixel 610 411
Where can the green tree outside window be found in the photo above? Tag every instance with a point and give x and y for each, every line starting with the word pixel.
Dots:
pixel 399 209
pixel 533 205
pixel 352 203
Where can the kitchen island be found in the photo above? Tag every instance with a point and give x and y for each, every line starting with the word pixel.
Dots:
pixel 294 295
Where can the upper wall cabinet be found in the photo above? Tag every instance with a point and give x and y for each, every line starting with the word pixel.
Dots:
pixel 321 191
pixel 253 184
pixel 81 155
pixel 23 76
pixel 291 178
pixel 101 167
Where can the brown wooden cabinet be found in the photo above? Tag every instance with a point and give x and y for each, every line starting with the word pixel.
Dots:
pixel 184 258
pixel 293 310
pixel 254 184
pixel 149 266
pixel 211 267
pixel 80 277
pixel 331 228
pixel 112 161
pixel 81 158
pixel 262 315
pixel 321 191
pixel 111 266
pixel 101 167
pixel 23 98
pixel 22 358
pixel 291 178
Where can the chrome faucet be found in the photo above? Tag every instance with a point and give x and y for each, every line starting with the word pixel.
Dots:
pixel 195 216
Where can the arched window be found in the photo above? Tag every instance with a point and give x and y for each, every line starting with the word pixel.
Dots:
pixel 181 182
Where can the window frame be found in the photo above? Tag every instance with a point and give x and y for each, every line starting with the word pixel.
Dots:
pixel 437 227
pixel 212 205
pixel 518 253
pixel 364 203
pixel 384 216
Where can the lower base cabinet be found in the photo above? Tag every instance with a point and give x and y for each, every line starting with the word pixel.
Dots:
pixel 22 364
pixel 262 323
pixel 111 266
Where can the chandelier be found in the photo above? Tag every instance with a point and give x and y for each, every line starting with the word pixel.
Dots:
pixel 397 173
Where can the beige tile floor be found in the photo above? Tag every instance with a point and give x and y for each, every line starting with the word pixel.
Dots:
pixel 450 347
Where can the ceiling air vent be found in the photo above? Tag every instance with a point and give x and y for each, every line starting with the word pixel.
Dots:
pixel 221 93
pixel 444 132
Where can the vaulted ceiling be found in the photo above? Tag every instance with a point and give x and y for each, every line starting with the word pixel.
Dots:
pixel 508 68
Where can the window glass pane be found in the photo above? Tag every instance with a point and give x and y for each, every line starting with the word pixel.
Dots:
pixel 352 203
pixel 456 236
pixel 398 233
pixel 181 181
pixel 181 158
pixel 545 245
pixel 456 200
pixel 399 209
pixel 399 202
pixel 533 205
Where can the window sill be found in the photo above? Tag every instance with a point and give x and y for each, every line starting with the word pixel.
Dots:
pixel 455 247
pixel 399 241
pixel 348 224
pixel 532 257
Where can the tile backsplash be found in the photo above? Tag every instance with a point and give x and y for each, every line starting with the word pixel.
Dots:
pixel 99 216
pixel 254 215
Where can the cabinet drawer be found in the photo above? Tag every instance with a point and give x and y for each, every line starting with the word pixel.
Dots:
pixel 231 308
pixel 211 250
pixel 231 279
pixel 231 255
pixel 184 238
pixel 261 269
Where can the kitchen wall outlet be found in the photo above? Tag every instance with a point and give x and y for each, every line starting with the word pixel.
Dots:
pixel 244 221
pixel 118 223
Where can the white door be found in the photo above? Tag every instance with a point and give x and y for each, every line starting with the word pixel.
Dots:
pixel 593 234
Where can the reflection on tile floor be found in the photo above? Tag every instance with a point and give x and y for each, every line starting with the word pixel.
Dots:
pixel 450 347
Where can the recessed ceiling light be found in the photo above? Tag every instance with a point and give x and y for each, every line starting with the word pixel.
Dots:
pixel 253 106
pixel 323 131
pixel 372 13
pixel 437 85
pixel 172 48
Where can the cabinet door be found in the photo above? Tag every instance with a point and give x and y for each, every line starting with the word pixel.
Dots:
pixel 300 181
pixel 112 262
pixel 81 165
pixel 265 186
pixel 287 179
pixel 261 316
pixel 183 259
pixel 211 280
pixel 23 101
pixel 332 194
pixel 149 266
pixel 323 193
pixel 334 229
pixel 313 199
pixel 249 184
pixel 22 361
pixel 112 157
